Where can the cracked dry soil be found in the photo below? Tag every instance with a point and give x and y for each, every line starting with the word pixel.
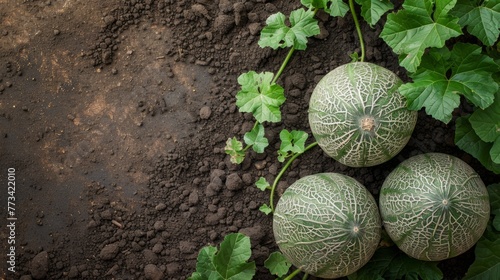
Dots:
pixel 114 115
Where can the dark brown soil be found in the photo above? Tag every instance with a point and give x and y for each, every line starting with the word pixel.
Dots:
pixel 115 114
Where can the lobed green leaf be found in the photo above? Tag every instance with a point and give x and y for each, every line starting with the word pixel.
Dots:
pixel 256 138
pixel 260 96
pixel 487 257
pixel 264 208
pixel 487 252
pixel 467 140
pixel 277 264
pixel 276 34
pixel 234 148
pixel 262 184
pixel 291 143
pixel 419 25
pixel 373 10
pixel 482 19
pixel 486 123
pixel 445 75
pixel 338 8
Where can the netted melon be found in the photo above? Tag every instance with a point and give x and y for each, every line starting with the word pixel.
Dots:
pixel 358 116
pixel 327 224
pixel 434 206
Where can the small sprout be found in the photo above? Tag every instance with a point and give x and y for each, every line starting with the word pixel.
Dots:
pixel 262 184
pixel 256 139
pixel 234 148
pixel 291 143
pixel 264 208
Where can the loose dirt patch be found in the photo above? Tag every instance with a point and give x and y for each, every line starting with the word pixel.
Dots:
pixel 115 114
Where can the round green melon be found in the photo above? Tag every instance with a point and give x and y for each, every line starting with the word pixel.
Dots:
pixel 327 225
pixel 434 206
pixel 357 115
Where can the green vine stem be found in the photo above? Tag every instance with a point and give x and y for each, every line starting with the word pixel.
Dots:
pixel 285 167
pixel 283 65
pixel 295 272
pixel 358 29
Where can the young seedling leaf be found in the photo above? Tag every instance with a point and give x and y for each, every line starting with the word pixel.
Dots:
pixel 234 148
pixel 373 10
pixel 486 123
pixel 277 264
pixel 291 143
pixel 354 57
pixel 264 208
pixel 256 139
pixel 262 184
pixel 391 263
pixel 276 34
pixel 282 156
pixel 482 19
pixel 231 260
pixel 443 75
pixel 419 25
pixel 467 140
pixel 260 97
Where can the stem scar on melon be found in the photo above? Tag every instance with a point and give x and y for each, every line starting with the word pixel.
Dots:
pixel 367 124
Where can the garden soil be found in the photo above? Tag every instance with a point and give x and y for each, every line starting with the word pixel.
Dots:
pixel 114 115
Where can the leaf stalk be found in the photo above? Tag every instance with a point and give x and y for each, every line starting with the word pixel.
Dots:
pixel 283 65
pixel 285 167
pixel 358 30
pixel 291 275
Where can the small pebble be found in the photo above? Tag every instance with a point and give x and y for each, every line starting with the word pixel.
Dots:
pixel 205 112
